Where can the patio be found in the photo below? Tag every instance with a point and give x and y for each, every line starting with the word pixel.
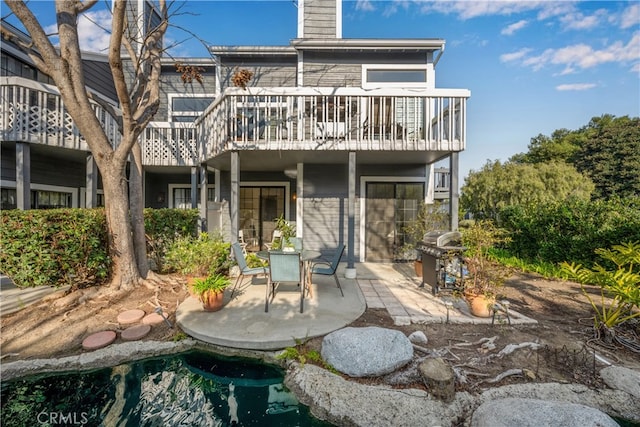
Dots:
pixel 242 323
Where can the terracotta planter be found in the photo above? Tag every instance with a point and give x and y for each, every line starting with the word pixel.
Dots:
pixel 212 301
pixel 418 266
pixel 480 305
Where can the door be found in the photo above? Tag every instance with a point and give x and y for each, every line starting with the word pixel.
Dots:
pixel 389 208
pixel 259 206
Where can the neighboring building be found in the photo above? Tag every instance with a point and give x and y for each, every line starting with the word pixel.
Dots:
pixel 338 135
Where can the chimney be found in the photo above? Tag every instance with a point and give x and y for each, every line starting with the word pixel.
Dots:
pixel 320 19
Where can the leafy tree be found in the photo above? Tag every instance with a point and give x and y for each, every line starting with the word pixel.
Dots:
pixel 138 100
pixel 498 185
pixel 607 150
pixel 610 155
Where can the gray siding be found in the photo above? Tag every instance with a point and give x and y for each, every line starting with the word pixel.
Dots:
pixel 345 68
pixel 99 78
pixel 264 74
pixel 171 83
pixel 59 169
pixel 325 206
pixel 320 18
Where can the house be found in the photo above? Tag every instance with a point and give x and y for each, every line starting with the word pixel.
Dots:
pixel 341 136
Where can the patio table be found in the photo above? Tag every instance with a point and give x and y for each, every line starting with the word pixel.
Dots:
pixel 306 256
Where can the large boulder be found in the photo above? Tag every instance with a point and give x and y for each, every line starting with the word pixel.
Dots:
pixel 534 413
pixel 621 378
pixel 366 352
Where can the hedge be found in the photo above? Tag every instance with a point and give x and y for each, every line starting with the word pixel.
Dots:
pixel 69 246
pixel 570 230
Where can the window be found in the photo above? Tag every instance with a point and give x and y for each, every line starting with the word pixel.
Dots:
pixel 394 75
pixel 181 196
pixel 42 199
pixel 186 108
pixel 8 198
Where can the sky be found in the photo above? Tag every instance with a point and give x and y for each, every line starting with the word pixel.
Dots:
pixel 532 66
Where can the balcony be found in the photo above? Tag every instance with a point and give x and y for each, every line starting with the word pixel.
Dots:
pixel 258 119
pixel 298 118
pixel 33 112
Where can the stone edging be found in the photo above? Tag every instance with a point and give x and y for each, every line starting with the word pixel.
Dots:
pixel 118 354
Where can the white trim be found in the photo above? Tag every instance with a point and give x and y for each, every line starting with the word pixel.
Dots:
pixel 45 187
pixel 300 19
pixel 364 180
pixel 285 184
pixel 183 113
pixel 374 85
pixel 338 19
pixel 171 187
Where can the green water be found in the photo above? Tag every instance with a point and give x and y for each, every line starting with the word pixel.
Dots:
pixel 190 389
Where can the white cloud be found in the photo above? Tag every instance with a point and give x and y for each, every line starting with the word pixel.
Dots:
pixel 511 29
pixel 576 86
pixel 578 21
pixel 93 30
pixel 630 16
pixel 365 5
pixel 580 55
pixel 635 68
pixel 514 56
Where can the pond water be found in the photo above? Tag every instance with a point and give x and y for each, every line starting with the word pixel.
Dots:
pixel 190 389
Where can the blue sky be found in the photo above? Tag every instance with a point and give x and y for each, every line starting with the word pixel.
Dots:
pixel 532 66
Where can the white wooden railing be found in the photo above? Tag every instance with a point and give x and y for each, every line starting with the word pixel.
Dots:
pixel 287 118
pixel 34 112
pixel 298 118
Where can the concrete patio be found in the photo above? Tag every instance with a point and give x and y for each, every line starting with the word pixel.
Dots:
pixel 243 323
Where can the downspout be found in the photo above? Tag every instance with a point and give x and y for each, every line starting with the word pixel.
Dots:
pixel 435 61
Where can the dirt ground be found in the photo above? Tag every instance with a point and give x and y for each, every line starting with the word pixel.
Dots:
pixel 56 326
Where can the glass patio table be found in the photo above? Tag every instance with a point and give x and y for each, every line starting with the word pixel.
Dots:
pixel 306 256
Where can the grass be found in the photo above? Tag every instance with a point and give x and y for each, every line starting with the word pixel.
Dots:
pixel 546 269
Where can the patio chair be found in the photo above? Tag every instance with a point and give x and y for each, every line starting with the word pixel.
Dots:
pixel 284 267
pixel 328 268
pixel 277 235
pixel 245 270
pixel 243 243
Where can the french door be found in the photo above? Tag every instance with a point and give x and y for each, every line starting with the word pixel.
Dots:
pixel 259 206
pixel 390 207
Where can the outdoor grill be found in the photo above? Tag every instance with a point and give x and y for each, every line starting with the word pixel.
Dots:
pixel 442 262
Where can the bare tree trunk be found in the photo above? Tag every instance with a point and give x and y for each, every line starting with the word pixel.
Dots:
pixel 136 204
pixel 125 270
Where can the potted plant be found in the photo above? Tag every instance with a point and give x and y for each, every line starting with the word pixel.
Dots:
pixel 288 231
pixel 484 277
pixel 429 217
pixel 210 290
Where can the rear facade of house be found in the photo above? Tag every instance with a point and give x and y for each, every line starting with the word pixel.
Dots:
pixel 340 136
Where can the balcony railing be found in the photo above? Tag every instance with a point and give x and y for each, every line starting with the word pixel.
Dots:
pixel 298 118
pixel 288 118
pixel 34 112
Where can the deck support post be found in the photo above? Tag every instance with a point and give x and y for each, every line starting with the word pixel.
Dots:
pixel 454 193
pixel 235 195
pixel 91 192
pixel 350 272
pixel 204 197
pixel 23 175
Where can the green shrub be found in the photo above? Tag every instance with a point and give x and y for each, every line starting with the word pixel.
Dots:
pixel 619 287
pixel 164 226
pixel 54 247
pixel 571 230
pixel 199 256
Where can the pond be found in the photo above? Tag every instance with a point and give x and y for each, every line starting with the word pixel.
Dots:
pixel 189 389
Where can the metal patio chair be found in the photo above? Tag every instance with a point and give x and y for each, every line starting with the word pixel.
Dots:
pixel 328 268
pixel 284 267
pixel 245 270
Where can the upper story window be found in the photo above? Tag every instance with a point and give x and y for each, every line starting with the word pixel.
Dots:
pixel 394 75
pixel 187 107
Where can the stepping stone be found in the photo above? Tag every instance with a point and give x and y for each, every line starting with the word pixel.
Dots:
pixel 98 340
pixel 134 333
pixel 152 319
pixel 130 316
